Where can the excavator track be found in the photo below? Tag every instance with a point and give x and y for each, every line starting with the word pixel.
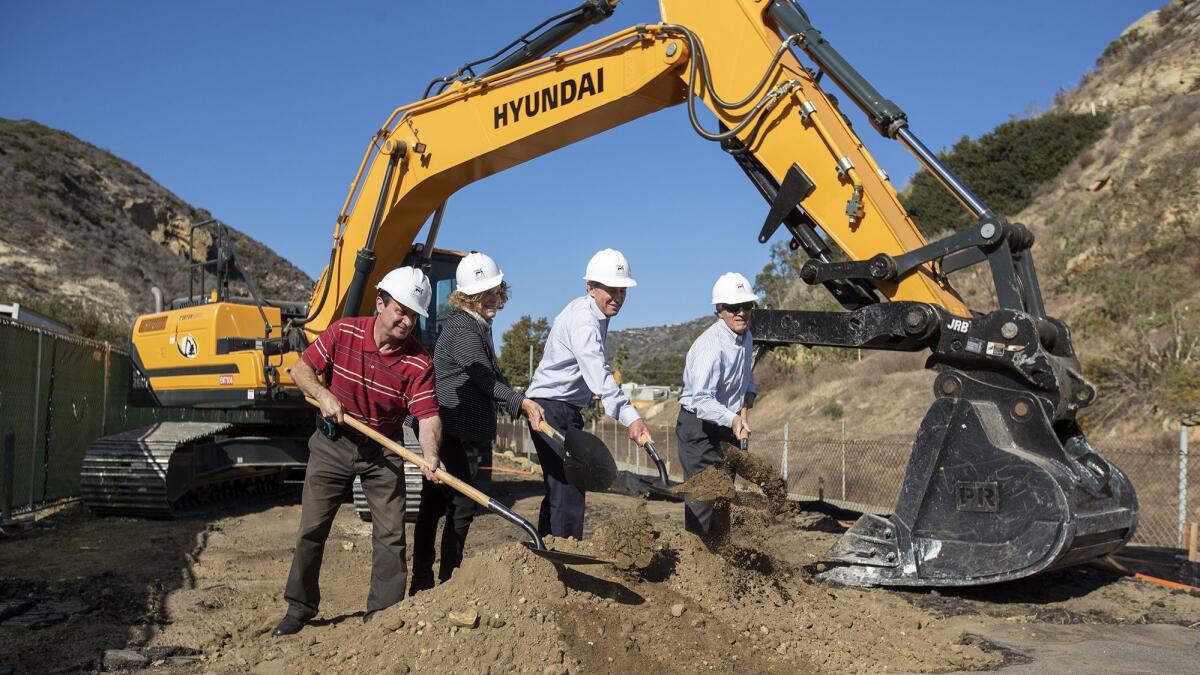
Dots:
pixel 143 472
pixel 412 488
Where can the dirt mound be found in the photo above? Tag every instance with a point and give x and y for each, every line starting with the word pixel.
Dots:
pixel 751 606
pixel 629 540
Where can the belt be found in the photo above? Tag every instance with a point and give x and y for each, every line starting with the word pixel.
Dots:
pixel 334 432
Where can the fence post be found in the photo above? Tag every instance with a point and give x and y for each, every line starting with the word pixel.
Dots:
pixel 667 444
pixel 104 399
pixel 1183 469
pixel 843 460
pixel 37 409
pixel 785 453
pixel 10 465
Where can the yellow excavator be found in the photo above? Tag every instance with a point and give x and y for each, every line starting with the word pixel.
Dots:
pixel 1001 483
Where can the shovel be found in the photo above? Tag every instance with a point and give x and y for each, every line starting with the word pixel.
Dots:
pixel 661 489
pixel 588 464
pixel 536 545
pixel 743 437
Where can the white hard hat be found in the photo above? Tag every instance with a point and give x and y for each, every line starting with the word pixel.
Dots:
pixel 409 287
pixel 610 268
pixel 733 289
pixel 477 273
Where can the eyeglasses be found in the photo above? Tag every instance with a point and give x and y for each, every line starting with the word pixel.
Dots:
pixel 734 309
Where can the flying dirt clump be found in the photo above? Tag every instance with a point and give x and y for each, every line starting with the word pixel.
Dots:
pixel 716 482
pixel 629 540
pixel 760 472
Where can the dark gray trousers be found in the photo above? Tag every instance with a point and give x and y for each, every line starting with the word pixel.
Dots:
pixel 563 507
pixel 463 460
pixel 699 448
pixel 332 466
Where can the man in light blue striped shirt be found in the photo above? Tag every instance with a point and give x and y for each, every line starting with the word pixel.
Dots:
pixel 717 384
pixel 572 368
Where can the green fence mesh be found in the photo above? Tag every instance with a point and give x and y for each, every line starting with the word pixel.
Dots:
pixel 58 394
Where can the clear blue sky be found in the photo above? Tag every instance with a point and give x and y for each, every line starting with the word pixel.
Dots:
pixel 260 112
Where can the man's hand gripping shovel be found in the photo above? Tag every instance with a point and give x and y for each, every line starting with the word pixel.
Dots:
pixel 536 545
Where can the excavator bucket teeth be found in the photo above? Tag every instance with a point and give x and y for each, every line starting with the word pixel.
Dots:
pixel 989 497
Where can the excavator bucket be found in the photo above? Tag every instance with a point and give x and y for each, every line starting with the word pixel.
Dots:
pixel 992 492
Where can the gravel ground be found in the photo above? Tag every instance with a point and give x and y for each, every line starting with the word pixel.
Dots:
pixel 201 593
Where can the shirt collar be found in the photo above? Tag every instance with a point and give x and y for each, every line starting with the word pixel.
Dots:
pixel 596 313
pixel 728 335
pixel 370 347
pixel 478 318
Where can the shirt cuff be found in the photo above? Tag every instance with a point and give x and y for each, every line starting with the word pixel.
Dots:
pixel 628 415
pixel 513 403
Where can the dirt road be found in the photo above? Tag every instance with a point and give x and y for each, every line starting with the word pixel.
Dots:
pixel 201 593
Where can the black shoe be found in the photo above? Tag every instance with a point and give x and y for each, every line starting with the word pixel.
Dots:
pixel 289 626
pixel 368 616
pixel 419 584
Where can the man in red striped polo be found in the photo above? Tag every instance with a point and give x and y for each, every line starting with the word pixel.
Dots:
pixel 375 371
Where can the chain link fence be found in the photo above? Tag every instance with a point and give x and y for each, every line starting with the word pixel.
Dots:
pixel 58 394
pixel 866 474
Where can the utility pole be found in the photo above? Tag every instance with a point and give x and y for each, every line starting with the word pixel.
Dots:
pixel 530 363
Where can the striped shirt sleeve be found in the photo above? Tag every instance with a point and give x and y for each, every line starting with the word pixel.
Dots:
pixel 471 354
pixel 422 392
pixel 587 344
pixel 702 375
pixel 319 354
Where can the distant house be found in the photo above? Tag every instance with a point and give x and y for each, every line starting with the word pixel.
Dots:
pixel 25 315
pixel 645 393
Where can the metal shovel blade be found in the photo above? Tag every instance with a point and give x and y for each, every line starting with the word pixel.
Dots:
pixel 588 465
pixel 563 557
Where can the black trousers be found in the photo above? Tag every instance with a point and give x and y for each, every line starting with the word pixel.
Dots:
pixel 463 460
pixel 332 466
pixel 563 507
pixel 699 448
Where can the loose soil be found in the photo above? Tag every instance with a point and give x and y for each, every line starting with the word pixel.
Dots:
pixel 201 594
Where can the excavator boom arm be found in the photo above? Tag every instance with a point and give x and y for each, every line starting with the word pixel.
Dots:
pixel 485 125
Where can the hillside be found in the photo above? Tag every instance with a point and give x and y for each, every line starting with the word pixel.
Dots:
pixel 656 353
pixel 1118 253
pixel 85 234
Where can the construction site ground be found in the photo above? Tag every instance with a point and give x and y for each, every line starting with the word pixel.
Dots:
pixel 201 594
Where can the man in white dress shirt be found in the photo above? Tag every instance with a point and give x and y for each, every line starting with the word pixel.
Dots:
pixel 573 367
pixel 717 384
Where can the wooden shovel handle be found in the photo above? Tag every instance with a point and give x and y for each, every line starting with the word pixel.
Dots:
pixel 744 414
pixel 442 475
pixel 551 432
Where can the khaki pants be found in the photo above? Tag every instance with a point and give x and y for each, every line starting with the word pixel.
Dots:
pixel 332 466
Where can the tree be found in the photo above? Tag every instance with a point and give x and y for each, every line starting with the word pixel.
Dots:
pixel 514 350
pixel 617 362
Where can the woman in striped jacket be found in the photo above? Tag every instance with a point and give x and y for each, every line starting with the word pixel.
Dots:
pixel 469 384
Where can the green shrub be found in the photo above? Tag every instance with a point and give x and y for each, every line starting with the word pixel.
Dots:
pixel 1003 167
pixel 833 410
